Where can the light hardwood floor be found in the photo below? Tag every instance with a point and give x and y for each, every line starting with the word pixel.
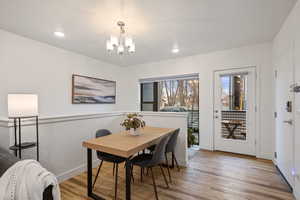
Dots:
pixel 209 176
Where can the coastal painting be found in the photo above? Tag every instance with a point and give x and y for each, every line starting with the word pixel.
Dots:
pixel 88 90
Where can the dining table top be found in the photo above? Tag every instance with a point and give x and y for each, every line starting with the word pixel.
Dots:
pixel 125 145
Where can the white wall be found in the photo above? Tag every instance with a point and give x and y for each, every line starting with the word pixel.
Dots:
pixel 256 55
pixel 28 66
pixel 4 139
pixel 288 39
pixel 32 67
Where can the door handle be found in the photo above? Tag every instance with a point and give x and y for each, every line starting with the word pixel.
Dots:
pixel 290 122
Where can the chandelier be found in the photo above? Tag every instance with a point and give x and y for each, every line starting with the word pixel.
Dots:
pixel 121 44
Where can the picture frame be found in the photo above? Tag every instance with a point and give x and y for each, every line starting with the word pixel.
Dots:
pixel 90 90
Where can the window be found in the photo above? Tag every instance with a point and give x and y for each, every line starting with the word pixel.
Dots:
pixel 174 95
pixel 234 106
pixel 178 95
pixel 149 96
pixel 234 92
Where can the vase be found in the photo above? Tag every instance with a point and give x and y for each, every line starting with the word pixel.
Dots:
pixel 134 132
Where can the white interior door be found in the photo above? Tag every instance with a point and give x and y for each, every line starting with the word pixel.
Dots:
pixel 234 111
pixel 297 117
pixel 285 115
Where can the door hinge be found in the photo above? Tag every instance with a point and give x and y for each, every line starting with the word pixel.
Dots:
pixel 275 154
pixel 275 114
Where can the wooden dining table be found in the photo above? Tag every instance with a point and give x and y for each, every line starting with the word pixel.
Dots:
pixel 124 145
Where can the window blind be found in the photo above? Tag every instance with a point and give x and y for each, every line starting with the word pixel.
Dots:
pixel 175 77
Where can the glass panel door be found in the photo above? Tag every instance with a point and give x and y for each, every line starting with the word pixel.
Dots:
pixel 234 111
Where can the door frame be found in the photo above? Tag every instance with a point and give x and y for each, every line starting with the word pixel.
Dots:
pixel 256 88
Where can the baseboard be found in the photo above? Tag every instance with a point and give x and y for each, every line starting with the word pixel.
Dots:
pixel 205 147
pixel 74 172
pixel 182 163
pixel 296 195
pixel 291 188
pixel 265 156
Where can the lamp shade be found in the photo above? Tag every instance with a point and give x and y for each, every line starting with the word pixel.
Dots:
pixel 22 105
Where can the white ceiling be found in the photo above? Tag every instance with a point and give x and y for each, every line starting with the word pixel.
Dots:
pixel 197 26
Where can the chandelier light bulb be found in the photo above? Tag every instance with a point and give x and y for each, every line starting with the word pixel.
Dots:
pixel 114 41
pixel 120 49
pixel 131 49
pixel 109 46
pixel 128 42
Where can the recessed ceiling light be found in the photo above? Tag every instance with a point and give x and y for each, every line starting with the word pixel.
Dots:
pixel 59 34
pixel 175 50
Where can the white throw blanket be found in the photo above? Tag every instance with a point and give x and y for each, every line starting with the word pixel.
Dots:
pixel 27 180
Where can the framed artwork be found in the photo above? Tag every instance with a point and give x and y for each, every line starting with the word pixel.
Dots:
pixel 88 90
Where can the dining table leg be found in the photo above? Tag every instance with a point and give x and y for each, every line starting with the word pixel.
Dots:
pixel 89 172
pixel 90 176
pixel 128 179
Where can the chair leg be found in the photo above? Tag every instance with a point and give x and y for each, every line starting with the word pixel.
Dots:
pixel 97 173
pixel 176 161
pixel 114 168
pixel 142 171
pixel 168 169
pixel 154 185
pixel 116 180
pixel 132 174
pixel 163 173
pixel 172 166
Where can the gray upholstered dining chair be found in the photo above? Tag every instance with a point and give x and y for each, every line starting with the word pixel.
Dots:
pixel 116 160
pixel 170 148
pixel 149 161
